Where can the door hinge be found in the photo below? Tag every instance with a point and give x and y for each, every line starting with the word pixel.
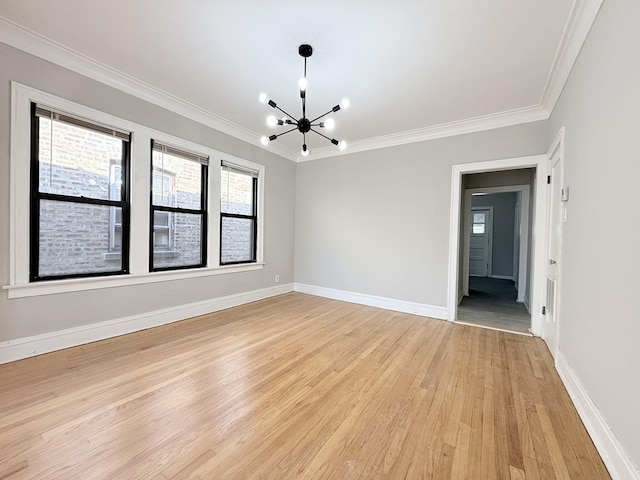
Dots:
pixel 544 310
pixel 548 179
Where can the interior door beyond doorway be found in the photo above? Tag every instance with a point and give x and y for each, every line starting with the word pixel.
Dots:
pixel 480 242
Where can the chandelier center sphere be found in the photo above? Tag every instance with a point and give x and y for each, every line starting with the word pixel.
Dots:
pixel 304 125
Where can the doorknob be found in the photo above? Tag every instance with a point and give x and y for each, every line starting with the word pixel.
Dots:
pixel 552 261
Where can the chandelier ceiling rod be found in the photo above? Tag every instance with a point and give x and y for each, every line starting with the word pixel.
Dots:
pixel 303 125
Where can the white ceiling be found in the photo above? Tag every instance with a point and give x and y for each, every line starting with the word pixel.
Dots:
pixel 409 67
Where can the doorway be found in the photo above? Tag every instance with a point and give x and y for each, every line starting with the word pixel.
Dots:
pixel 530 279
pixel 494 295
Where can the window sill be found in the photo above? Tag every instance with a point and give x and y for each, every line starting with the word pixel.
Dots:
pixel 80 284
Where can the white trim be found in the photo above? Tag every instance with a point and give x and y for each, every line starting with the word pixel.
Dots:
pixel 48 342
pixel 581 18
pixel 617 461
pixel 403 306
pixel 31 42
pixel 539 230
pixel 93 283
pixel 523 272
pixel 556 146
pixel 19 286
pixel 471 125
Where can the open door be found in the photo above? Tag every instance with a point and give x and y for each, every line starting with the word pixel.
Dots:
pixel 554 231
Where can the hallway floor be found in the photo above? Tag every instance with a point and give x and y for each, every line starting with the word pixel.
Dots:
pixel 492 303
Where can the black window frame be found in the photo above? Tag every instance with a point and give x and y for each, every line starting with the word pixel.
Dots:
pixel 203 212
pixel 253 218
pixel 37 196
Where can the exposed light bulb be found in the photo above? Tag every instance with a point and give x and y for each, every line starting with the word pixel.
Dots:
pixel 329 123
pixel 264 140
pixel 272 121
pixel 305 151
pixel 302 83
pixel 345 103
pixel 263 98
pixel 342 145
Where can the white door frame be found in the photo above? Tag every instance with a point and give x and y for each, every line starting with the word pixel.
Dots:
pixel 551 331
pixel 524 234
pixel 539 234
pixel 467 238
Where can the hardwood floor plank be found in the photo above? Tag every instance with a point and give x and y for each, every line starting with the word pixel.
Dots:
pixel 294 387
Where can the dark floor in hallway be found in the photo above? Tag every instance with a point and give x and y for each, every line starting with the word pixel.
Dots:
pixel 492 303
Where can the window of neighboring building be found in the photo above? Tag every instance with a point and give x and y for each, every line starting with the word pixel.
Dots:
pixel 79 188
pixel 238 214
pixel 178 208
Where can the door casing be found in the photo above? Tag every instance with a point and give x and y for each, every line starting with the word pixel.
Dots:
pixel 555 220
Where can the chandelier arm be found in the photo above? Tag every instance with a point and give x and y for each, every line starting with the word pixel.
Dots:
pixel 303 94
pixel 284 133
pixel 322 135
pixel 323 115
pixel 287 114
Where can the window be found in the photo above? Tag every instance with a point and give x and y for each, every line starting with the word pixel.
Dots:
pixel 79 193
pixel 238 214
pixel 178 230
pixel 106 202
pixel 479 221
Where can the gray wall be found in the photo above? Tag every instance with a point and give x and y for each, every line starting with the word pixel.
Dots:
pixel 504 205
pixel 377 222
pixel 599 320
pixel 30 316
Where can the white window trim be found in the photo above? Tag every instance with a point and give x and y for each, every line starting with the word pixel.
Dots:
pixel 20 164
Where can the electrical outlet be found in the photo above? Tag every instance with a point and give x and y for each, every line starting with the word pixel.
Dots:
pixel 277 278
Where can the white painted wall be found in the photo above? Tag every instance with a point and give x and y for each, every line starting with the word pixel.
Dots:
pixel 377 222
pixel 599 319
pixel 27 317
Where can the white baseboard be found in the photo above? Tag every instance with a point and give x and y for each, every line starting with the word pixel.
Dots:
pixel 48 342
pixel 618 463
pixel 374 301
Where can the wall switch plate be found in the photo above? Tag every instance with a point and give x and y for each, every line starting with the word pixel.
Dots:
pixel 277 278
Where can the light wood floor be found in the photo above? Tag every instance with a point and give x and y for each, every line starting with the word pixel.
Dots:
pixel 492 303
pixel 294 387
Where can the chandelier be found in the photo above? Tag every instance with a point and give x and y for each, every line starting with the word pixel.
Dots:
pixel 303 124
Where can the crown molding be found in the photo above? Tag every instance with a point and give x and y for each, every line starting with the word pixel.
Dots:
pixel 581 18
pixel 471 125
pixel 35 44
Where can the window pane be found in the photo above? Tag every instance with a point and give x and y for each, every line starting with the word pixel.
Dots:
pixel 78 162
pixel 186 246
pixel 177 182
pixel 237 193
pixel 75 238
pixel 478 228
pixel 237 240
pixel 479 218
